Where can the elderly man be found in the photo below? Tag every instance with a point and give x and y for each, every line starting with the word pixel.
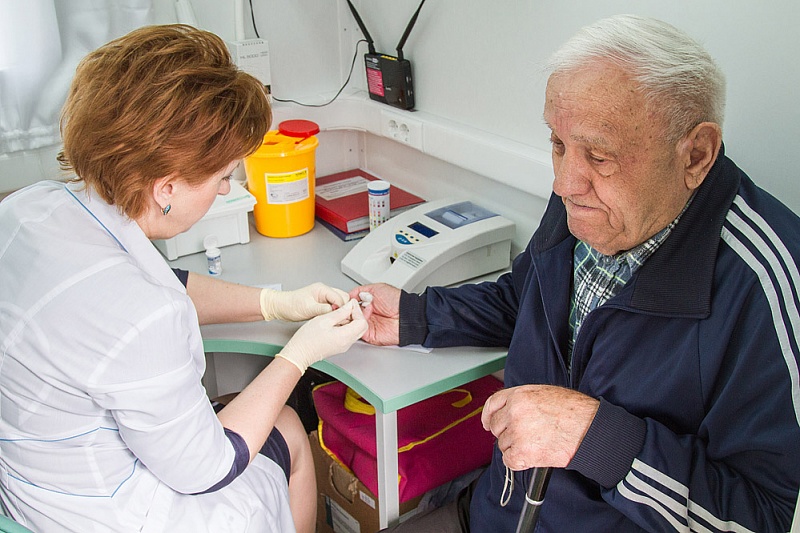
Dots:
pixel 652 321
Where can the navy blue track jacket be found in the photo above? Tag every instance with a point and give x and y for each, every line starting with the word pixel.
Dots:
pixel 695 362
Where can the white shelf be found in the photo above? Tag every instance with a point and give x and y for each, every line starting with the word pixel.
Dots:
pixel 500 159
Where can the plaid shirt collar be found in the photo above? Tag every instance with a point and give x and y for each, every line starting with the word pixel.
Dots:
pixel 598 278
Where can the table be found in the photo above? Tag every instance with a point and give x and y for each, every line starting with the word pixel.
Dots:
pixel 389 378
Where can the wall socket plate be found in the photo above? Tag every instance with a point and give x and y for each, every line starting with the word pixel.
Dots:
pixel 401 128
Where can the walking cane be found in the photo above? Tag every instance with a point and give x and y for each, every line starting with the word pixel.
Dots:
pixel 534 498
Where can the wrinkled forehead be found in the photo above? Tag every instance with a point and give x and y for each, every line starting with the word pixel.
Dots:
pixel 599 95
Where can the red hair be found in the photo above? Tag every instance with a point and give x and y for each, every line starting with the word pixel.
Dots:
pixel 159 101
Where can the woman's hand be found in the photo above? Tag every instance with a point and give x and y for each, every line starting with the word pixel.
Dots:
pixel 325 335
pixel 301 304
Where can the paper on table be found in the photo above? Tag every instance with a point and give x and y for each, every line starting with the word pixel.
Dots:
pixel 411 347
pixel 345 187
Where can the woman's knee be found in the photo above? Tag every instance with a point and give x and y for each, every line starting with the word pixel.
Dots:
pixel 294 433
pixel 290 425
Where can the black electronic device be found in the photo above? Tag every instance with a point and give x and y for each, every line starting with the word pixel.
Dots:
pixel 389 78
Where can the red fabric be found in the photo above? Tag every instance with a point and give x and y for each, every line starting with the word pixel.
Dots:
pixel 350 437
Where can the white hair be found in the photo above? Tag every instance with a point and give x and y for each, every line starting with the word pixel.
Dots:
pixel 678 77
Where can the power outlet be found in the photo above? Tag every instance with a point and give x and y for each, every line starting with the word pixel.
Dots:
pixel 402 129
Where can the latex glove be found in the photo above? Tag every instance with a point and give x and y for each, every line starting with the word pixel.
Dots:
pixel 301 304
pixel 324 336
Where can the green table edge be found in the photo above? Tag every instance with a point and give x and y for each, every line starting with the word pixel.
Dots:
pixel 385 406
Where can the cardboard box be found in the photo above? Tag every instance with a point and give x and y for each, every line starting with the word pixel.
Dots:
pixel 344 504
pixel 226 219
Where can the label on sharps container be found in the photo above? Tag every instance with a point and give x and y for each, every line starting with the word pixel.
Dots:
pixel 287 187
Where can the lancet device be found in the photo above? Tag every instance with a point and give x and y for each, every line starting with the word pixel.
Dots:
pixel 436 243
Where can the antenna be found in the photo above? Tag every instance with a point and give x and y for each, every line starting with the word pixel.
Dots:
pixel 407 32
pixel 360 22
pixel 388 77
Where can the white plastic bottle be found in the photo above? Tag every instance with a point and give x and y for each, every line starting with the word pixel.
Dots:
pixel 213 255
pixel 379 203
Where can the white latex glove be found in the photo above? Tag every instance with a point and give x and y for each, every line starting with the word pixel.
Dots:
pixel 302 304
pixel 325 335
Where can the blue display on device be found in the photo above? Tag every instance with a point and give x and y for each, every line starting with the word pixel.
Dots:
pixel 422 229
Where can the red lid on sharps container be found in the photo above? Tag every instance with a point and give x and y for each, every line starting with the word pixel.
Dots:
pixel 298 128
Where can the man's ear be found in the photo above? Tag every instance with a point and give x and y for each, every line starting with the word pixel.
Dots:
pixel 701 147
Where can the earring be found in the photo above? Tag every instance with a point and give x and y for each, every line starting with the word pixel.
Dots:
pixel 166 209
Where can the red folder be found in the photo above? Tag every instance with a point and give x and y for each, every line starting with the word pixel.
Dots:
pixel 342 200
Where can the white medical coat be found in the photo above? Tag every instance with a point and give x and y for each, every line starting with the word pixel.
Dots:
pixel 104 423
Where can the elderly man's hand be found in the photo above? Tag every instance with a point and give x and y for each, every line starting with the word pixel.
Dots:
pixel 538 425
pixel 382 312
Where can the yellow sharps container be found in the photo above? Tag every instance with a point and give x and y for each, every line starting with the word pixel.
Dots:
pixel 281 175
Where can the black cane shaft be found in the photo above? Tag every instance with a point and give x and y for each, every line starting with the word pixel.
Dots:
pixel 534 497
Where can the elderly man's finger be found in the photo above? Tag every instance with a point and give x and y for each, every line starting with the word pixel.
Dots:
pixel 494 403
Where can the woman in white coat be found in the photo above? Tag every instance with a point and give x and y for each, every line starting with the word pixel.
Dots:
pixel 104 423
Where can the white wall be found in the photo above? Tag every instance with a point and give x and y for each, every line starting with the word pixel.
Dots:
pixel 476 68
pixel 476 63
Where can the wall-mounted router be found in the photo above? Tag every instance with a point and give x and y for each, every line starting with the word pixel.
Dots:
pixel 389 78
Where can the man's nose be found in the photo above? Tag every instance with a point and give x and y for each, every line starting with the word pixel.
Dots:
pixel 571 175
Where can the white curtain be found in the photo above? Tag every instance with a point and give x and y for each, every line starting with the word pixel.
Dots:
pixel 41 42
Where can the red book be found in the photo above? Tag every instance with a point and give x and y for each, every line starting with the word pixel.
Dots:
pixel 342 200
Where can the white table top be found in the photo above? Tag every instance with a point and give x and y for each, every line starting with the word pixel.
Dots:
pixel 387 377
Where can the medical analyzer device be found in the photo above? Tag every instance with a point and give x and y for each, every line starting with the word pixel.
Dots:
pixel 437 243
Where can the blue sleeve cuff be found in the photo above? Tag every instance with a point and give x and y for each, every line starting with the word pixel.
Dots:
pixel 240 461
pixel 613 441
pixel 413 320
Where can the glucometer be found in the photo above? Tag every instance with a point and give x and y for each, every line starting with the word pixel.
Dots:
pixel 436 243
